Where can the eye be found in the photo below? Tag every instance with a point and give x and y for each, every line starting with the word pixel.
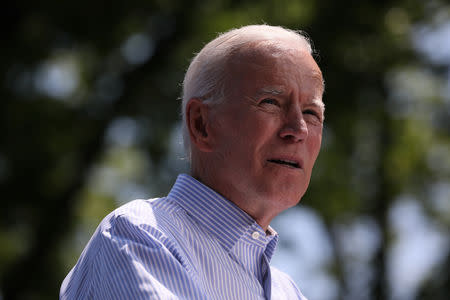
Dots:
pixel 311 112
pixel 270 101
pixel 314 114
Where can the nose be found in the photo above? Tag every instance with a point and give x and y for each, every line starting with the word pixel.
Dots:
pixel 295 128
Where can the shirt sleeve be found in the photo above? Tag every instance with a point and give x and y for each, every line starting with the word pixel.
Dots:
pixel 130 260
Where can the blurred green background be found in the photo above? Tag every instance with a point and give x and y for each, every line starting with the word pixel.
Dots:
pixel 89 119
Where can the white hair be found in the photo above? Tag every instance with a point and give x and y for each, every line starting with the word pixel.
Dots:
pixel 205 78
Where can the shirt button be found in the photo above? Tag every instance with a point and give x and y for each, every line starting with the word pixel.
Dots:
pixel 255 235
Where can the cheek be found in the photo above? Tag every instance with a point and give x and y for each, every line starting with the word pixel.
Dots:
pixel 254 129
pixel 315 140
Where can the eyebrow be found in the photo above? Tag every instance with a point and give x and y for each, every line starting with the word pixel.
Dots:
pixel 276 91
pixel 270 91
pixel 318 103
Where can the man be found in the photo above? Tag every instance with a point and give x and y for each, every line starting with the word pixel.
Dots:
pixel 253 115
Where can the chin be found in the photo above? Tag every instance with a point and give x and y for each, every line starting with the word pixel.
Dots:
pixel 284 199
pixel 284 204
pixel 290 189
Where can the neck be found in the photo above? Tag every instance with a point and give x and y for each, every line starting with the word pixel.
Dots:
pixel 263 215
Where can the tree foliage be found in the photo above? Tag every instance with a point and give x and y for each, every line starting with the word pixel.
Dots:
pixel 89 106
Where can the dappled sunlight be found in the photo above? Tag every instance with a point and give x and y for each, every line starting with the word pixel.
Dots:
pixel 138 48
pixel 419 246
pixel 90 121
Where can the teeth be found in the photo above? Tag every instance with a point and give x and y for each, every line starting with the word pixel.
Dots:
pixel 290 162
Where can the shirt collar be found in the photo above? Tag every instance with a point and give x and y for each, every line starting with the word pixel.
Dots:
pixel 219 216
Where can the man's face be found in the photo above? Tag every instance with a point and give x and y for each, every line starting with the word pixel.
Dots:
pixel 269 130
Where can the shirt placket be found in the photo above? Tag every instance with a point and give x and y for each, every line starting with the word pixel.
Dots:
pixel 267 280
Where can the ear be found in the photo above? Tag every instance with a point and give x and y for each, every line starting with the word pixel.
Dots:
pixel 197 122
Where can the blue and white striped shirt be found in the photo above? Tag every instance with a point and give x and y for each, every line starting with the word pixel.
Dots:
pixel 192 244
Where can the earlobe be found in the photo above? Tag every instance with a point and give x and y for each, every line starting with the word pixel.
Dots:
pixel 197 122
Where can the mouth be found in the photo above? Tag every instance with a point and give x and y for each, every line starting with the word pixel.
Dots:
pixel 289 163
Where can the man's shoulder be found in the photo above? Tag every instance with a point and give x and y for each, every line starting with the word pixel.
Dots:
pixel 138 223
pixel 139 210
pixel 119 252
pixel 150 216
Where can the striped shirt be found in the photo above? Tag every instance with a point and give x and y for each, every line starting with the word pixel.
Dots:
pixel 192 244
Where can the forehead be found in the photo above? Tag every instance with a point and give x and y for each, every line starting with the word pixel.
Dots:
pixel 274 65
